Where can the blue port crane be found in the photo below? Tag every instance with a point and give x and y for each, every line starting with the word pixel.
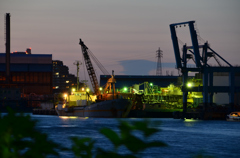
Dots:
pixel 201 66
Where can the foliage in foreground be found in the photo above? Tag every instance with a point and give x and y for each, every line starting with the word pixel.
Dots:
pixel 19 138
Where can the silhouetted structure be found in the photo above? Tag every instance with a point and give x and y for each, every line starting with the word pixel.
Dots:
pixel 129 80
pixel 63 81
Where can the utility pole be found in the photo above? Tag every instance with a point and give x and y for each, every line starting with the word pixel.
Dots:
pixel 77 63
pixel 159 64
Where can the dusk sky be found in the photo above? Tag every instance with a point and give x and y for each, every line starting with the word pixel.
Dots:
pixel 123 35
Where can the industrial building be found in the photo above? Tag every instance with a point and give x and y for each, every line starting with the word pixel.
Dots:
pixel 31 73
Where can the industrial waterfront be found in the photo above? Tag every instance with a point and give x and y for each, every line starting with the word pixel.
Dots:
pixel 185 138
pixel 35 80
pixel 120 77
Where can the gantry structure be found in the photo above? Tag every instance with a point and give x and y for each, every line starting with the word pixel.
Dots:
pixel 200 54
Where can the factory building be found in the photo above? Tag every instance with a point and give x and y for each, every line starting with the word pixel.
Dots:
pixel 30 73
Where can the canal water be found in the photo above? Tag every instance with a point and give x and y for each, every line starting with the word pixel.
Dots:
pixel 185 138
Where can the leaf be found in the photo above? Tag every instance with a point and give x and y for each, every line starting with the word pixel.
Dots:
pixel 112 136
pixel 82 147
pixel 143 126
pixel 133 143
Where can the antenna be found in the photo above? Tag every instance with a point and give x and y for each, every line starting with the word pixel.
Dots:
pixel 159 64
pixel 77 63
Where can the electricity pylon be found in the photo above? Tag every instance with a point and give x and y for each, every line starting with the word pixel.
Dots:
pixel 159 64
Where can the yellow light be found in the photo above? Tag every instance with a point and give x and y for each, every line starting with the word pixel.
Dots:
pixel 65 96
pixel 68 117
pixel 189 85
pixel 87 90
pixel 67 81
pixel 100 88
pixel 73 90
pixel 63 117
pixel 82 89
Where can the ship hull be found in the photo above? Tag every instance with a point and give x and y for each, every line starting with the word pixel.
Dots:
pixel 116 108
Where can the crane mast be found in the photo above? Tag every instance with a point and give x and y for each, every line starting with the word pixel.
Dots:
pixel 90 69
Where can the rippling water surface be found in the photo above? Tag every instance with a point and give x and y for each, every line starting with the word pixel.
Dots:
pixel 185 138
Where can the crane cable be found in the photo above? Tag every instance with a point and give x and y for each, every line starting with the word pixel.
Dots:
pixel 104 71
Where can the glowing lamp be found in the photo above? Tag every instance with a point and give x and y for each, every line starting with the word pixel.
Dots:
pixel 65 95
pixel 189 85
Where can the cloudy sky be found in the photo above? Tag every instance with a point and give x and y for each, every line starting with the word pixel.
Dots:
pixel 123 35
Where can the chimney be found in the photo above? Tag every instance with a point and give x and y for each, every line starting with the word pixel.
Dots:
pixel 8 47
pixel 28 51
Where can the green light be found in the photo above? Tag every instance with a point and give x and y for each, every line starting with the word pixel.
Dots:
pixel 125 89
pixel 189 85
pixel 151 84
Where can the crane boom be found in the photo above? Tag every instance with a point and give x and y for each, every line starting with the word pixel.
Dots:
pixel 90 69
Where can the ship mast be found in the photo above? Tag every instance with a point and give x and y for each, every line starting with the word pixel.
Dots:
pixel 77 63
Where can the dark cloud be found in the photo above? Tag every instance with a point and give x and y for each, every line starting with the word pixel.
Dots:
pixel 141 67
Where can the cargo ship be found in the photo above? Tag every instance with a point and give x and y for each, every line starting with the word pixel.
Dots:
pixel 115 108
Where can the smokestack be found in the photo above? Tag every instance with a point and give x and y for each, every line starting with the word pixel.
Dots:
pixel 28 51
pixel 8 47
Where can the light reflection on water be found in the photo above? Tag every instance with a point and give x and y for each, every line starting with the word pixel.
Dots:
pixel 184 137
